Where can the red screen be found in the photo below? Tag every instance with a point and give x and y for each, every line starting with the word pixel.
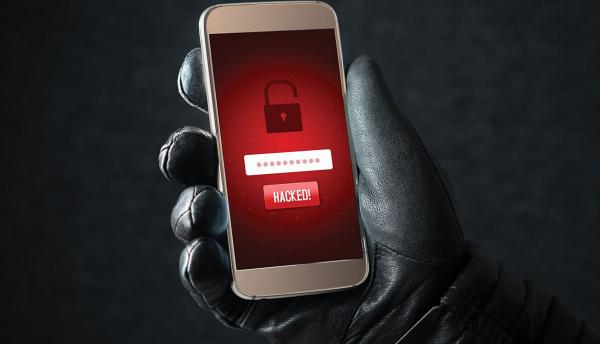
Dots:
pixel 280 92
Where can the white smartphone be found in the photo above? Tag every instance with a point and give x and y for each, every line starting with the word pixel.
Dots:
pixel 276 98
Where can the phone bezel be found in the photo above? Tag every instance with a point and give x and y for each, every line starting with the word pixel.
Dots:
pixel 298 279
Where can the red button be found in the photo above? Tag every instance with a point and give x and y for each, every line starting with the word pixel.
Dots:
pixel 291 195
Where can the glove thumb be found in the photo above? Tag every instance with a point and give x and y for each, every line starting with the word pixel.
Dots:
pixel 404 202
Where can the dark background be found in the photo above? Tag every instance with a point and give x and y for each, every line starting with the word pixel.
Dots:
pixel 505 93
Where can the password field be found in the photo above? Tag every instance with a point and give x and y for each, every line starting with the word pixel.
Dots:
pixel 288 162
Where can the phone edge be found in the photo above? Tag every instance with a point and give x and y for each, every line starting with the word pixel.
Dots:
pixel 211 102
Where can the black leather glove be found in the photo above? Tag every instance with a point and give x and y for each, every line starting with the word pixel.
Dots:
pixel 425 284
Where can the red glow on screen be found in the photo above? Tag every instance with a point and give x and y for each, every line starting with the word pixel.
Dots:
pixel 305 116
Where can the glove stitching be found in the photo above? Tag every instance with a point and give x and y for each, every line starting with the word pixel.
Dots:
pixel 398 304
pixel 462 300
pixel 175 137
pixel 189 210
pixel 166 160
pixel 195 194
pixel 176 227
pixel 427 262
pixel 471 299
pixel 388 310
pixel 162 159
pixel 472 325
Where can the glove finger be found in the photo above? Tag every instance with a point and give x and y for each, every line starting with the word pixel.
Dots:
pixel 190 80
pixel 200 211
pixel 205 272
pixel 189 157
pixel 404 203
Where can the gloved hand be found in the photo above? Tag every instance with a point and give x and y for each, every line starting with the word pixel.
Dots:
pixel 415 243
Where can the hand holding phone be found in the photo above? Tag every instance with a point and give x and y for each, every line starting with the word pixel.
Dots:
pixel 415 244
pixel 424 285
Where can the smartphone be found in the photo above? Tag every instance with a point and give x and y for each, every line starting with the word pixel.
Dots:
pixel 276 99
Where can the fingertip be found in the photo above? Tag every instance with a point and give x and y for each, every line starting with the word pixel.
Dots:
pixel 367 87
pixel 354 61
pixel 362 67
pixel 204 269
pixel 190 80
pixel 359 61
pixel 200 211
pixel 189 156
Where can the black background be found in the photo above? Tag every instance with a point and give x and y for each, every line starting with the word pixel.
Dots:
pixel 506 94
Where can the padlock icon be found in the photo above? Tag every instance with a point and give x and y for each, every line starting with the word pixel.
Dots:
pixel 281 118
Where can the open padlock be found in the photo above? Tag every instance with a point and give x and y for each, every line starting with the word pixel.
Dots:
pixel 285 117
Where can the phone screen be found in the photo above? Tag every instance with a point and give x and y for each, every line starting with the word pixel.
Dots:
pixel 285 148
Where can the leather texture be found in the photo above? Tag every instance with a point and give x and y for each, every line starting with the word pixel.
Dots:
pixel 487 304
pixel 177 157
pixel 425 284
